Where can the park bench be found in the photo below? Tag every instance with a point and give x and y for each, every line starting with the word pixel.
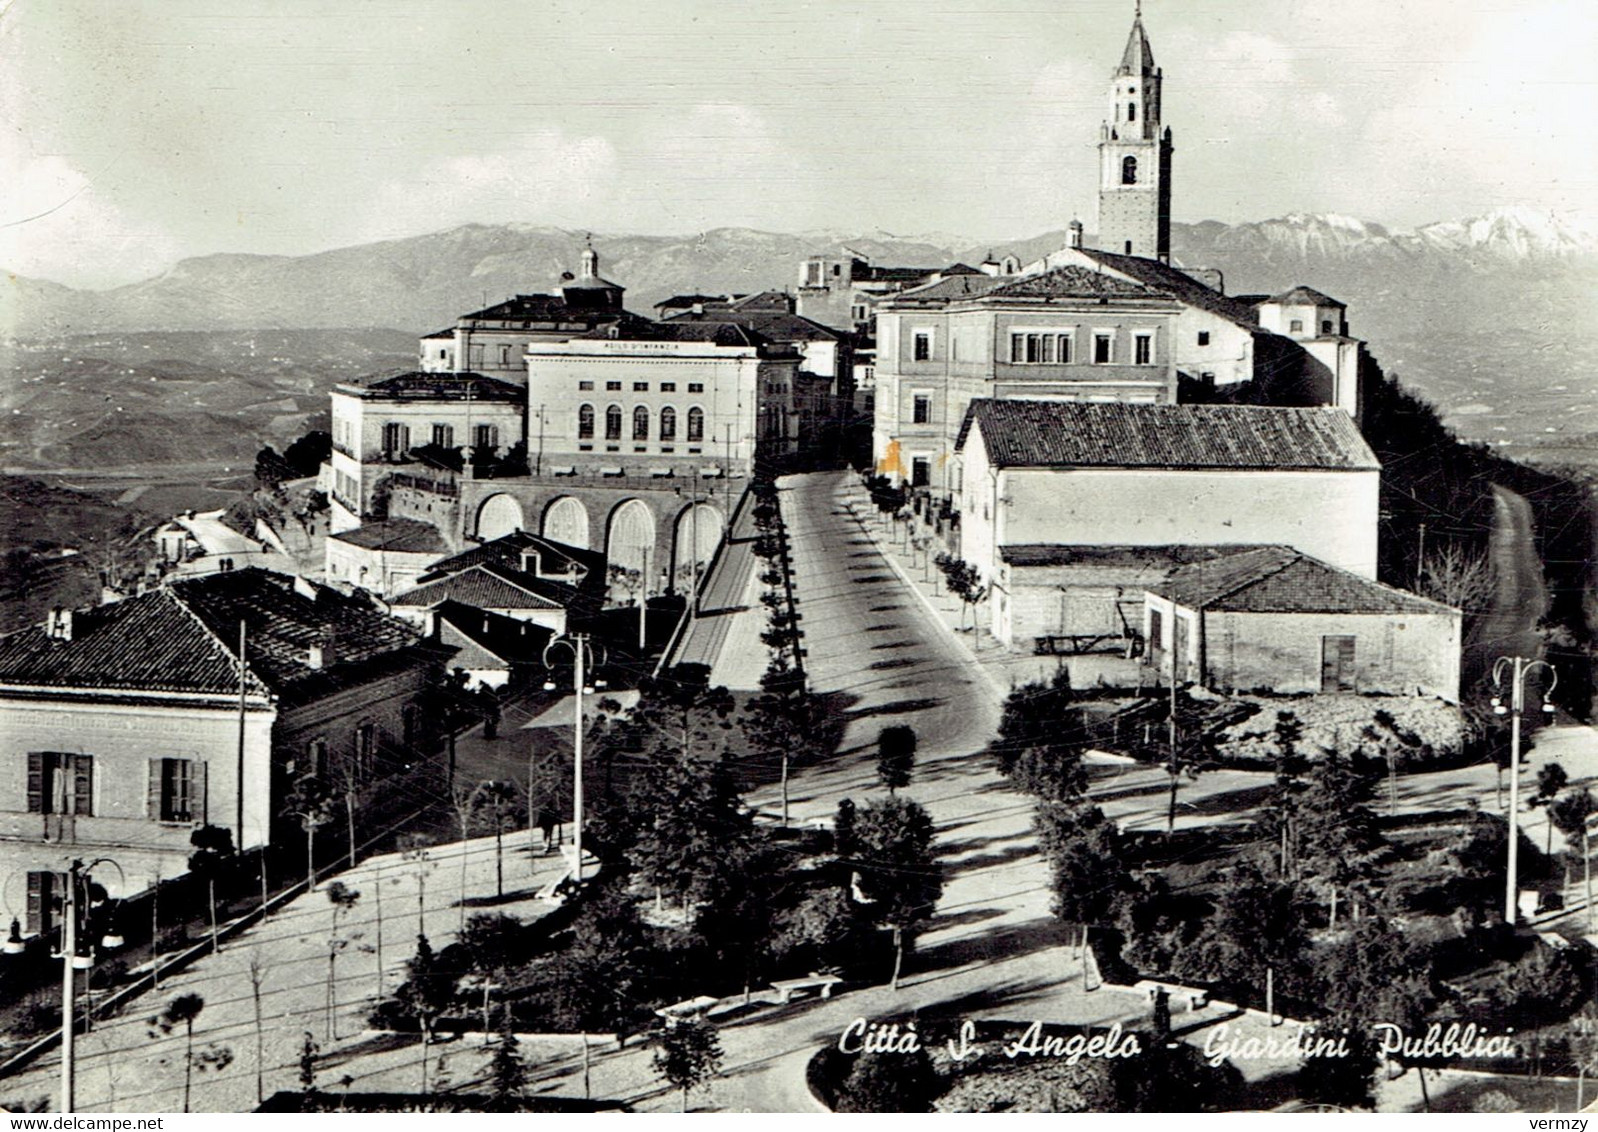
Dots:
pixel 688 1008
pixel 787 988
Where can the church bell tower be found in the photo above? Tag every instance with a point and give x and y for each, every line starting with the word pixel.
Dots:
pixel 1135 157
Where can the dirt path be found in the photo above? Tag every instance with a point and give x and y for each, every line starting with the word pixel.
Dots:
pixel 1509 627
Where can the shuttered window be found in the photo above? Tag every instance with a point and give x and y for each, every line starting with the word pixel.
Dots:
pixel 44 890
pixel 60 783
pixel 177 790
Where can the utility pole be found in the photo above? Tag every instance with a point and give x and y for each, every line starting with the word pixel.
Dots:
pixel 1420 557
pixel 69 975
pixel 1517 704
pixel 238 781
pixel 582 657
pixel 643 598
pixel 1170 817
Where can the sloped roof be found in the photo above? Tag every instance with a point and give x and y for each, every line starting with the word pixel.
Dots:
pixel 448 332
pixel 947 290
pixel 1163 557
pixel 1044 434
pixel 717 333
pixel 553 308
pixel 1305 297
pixel 419 385
pixel 408 536
pixel 502 638
pixel 1178 284
pixel 1073 282
pixel 1278 579
pixel 686 301
pixel 184 638
pixel 488 585
pixel 554 557
pixel 1138 58
pixel 770 325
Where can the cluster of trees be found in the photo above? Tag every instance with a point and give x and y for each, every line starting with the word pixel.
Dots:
pixel 299 460
pixel 964 582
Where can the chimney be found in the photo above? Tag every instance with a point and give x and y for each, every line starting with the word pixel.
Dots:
pixel 697 309
pixel 304 587
pixel 59 625
pixel 324 653
pixel 1076 234
pixel 530 562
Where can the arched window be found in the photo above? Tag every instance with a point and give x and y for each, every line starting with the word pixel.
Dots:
pixel 641 423
pixel 613 423
pixel 1128 170
pixel 585 422
pixel 696 425
pixel 1131 112
pixel 668 424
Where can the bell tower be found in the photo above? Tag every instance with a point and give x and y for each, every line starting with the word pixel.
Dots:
pixel 1135 157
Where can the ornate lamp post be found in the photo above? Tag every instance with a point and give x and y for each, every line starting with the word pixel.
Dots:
pixel 1518 667
pixel 582 651
pixel 72 962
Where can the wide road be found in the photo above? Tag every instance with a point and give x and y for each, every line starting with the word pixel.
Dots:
pixel 1519 597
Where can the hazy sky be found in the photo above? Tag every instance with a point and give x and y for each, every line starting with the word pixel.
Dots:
pixel 136 132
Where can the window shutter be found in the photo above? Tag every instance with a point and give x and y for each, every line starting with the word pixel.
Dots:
pixel 153 794
pixel 197 809
pixel 83 785
pixel 36 782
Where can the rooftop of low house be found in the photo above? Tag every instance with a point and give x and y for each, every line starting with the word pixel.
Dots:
pixel 1279 579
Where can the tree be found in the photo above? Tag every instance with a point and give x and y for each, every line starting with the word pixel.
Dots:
pixel 213 849
pixel 183 1011
pixel 1335 839
pixel 688 1055
pixel 507 1073
pixel 843 841
pixel 900 880
pixel 427 992
pixel 1572 814
pixel 896 756
pixel 312 806
pixel 821 933
pixel 1257 927
pixel 890 1082
pixel 688 818
pixel 1551 779
pixel 964 581
pixel 605 978
pixel 343 898
pixel 308 453
pixel 494 805
pixel 1457 577
pixel 737 919
pixel 1042 738
pixel 1086 862
pixel 1290 766
pixel 779 721
pixel 271 469
pixel 257 977
pixel 1341 1081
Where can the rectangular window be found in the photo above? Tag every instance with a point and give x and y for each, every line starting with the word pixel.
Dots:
pixel 613 386
pixel 1203 337
pixel 485 437
pixel 920 471
pixel 1103 349
pixel 44 890
pixel 1326 326
pixel 1296 326
pixel 696 387
pixel 504 355
pixel 812 275
pixel 365 752
pixel 60 783
pixel 443 436
pixel 585 385
pixel 1064 349
pixel 1040 349
pixel 668 387
pixel 396 439
pixel 1017 348
pixel 923 346
pixel 177 790
pixel 1143 350
pixel 640 387
pixel 921 412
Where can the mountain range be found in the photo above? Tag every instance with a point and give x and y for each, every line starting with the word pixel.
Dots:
pixel 1483 315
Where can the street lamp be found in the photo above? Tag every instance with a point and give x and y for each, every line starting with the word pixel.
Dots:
pixel 1517 704
pixel 72 962
pixel 582 652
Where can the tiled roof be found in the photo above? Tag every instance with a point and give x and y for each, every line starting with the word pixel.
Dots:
pixel 961 269
pixel 1305 296
pixel 408 536
pixel 1073 282
pixel 544 308
pixel 871 273
pixel 1277 579
pixel 554 557
pixel 1178 284
pixel 1165 557
pixel 678 302
pixel 948 290
pixel 770 325
pixel 448 332
pixel 183 638
pixel 489 585
pixel 418 385
pixel 503 638
pixel 1043 434
pixel 718 333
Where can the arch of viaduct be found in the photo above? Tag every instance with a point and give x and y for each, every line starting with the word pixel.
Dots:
pixel 669 521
